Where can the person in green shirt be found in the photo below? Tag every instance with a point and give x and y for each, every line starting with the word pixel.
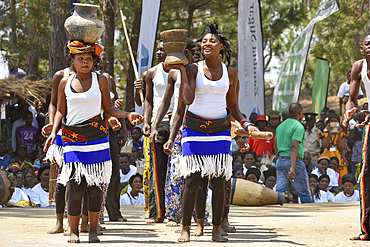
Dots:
pixel 290 168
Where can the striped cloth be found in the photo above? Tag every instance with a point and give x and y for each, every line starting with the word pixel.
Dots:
pixel 207 153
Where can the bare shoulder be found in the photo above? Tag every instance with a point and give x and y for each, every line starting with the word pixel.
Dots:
pixel 102 77
pixel 357 66
pixel 192 68
pixel 63 82
pixel 232 72
pixel 150 73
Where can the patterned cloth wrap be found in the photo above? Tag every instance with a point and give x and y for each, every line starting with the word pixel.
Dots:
pixel 86 152
pixel 204 149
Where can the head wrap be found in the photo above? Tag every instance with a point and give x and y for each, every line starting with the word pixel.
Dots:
pixel 77 47
pixel 13 164
pixel 254 171
pixel 349 178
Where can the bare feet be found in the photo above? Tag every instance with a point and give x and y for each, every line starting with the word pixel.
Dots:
pixel 223 233
pixel 144 216
pixel 200 227
pixel 101 228
pixel 84 227
pixel 67 233
pixel 122 219
pixel 216 235
pixel 66 226
pixel 73 238
pixel 206 223
pixel 355 238
pixel 93 237
pixel 171 224
pixel 58 228
pixel 150 221
pixel 185 234
pixel 226 226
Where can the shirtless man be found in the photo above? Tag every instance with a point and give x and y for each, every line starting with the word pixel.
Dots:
pixel 361 71
pixel 156 82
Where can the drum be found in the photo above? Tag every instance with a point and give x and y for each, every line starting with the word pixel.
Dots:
pixel 53 182
pixel 247 193
pixel 6 188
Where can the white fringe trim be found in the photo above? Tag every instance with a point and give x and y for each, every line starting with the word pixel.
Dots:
pixel 213 166
pixel 96 174
pixel 55 153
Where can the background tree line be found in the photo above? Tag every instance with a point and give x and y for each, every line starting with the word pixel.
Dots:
pixel 32 33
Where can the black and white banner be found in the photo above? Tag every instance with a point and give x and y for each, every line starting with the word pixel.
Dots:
pixel 250 58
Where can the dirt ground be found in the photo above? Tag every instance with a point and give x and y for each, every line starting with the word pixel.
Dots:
pixel 289 225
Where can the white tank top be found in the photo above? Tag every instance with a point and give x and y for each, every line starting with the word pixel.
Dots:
pixel 365 80
pixel 66 72
pixel 210 96
pixel 160 81
pixel 82 106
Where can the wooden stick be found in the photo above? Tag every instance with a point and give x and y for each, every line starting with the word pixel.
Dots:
pixel 132 57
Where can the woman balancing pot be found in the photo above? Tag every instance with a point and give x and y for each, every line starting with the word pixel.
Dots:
pixel 209 88
pixel 87 162
pixel 247 193
pixel 84 24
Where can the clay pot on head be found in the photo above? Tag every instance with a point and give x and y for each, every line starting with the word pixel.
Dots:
pixel 175 53
pixel 174 35
pixel 174 42
pixel 84 24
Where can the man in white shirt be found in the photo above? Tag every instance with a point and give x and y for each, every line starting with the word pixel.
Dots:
pixel 343 93
pixel 126 170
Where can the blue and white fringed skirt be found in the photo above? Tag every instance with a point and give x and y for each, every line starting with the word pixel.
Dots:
pixel 55 152
pixel 207 153
pixel 87 159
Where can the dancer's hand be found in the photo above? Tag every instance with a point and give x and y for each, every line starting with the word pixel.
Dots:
pixel 49 142
pixel 135 118
pixel 252 128
pixel 347 115
pixel 167 147
pixel 114 123
pixel 367 119
pixel 118 103
pixel 139 84
pixel 46 130
pixel 146 130
pixel 242 144
pixel 172 66
pixel 153 137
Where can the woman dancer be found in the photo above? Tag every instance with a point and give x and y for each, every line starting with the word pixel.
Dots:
pixel 209 87
pixel 85 143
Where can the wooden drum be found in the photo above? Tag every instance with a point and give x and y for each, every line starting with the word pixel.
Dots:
pixel 6 188
pixel 247 193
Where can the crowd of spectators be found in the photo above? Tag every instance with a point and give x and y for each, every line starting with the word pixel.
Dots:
pixel 332 155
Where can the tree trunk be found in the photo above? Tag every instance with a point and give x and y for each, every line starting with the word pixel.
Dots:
pixel 108 35
pixel 190 18
pixel 32 65
pixel 13 35
pixel 58 36
pixel 134 39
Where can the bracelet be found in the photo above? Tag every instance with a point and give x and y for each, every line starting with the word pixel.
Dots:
pixel 246 124
pixel 243 121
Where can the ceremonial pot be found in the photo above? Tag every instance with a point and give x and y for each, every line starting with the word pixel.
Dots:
pixel 84 24
pixel 247 193
pixel 6 187
pixel 174 42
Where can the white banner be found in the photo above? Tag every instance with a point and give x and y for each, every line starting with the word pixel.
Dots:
pixel 288 84
pixel 250 58
pixel 148 31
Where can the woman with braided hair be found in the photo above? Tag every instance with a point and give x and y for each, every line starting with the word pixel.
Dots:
pixel 209 88
pixel 87 163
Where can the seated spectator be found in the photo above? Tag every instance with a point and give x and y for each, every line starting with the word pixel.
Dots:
pixel 27 135
pixel 10 152
pixel 308 162
pixel 253 118
pixel 261 146
pixel 135 159
pixel 320 125
pixel 349 194
pixel 20 122
pixel 319 195
pixel 270 178
pixel 4 158
pixel 20 182
pixel 253 175
pixel 17 196
pixel 28 176
pixel 249 159
pixel 291 195
pixel 21 158
pixel 238 157
pixel 14 167
pixel 237 164
pixel 135 197
pixel 334 162
pixel 238 173
pixel 27 167
pixel 323 168
pixel 258 162
pixel 137 139
pixel 31 182
pixel 126 170
pixel 274 121
pixel 354 142
pixel 40 192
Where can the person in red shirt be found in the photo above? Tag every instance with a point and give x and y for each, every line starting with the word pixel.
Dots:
pixel 260 146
